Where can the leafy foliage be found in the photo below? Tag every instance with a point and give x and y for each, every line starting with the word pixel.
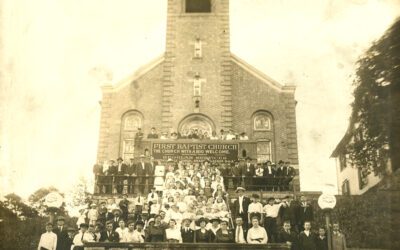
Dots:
pixel 377 79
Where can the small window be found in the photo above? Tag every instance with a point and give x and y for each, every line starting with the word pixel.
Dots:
pixel 198 6
pixel 346 187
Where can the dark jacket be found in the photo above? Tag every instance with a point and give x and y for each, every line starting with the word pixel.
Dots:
pixel 321 244
pixel 248 171
pixel 62 238
pixel 224 238
pixel 187 237
pixel 245 205
pixel 113 237
pixel 291 237
pixel 307 242
pixel 203 237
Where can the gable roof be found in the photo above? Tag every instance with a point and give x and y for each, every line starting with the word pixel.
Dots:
pixel 261 76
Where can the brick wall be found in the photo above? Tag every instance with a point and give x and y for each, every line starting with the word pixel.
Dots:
pixel 250 94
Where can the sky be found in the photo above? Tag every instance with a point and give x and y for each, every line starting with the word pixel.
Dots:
pixel 55 55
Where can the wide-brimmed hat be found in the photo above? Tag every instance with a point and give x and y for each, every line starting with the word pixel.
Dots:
pixel 49 224
pixel 187 218
pixel 240 189
pixel 139 222
pixel 93 205
pixel 215 219
pixel 200 220
pixel 85 225
pixel 60 218
pixel 71 229
pixel 116 209
pixel 120 159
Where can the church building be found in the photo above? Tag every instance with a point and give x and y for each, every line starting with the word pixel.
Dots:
pixel 198 83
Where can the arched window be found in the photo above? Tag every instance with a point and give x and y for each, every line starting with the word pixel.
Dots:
pixel 198 122
pixel 262 121
pixel 130 122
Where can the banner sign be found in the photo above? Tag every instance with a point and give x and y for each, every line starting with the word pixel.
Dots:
pixel 197 152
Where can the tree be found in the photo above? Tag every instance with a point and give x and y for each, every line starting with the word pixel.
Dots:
pixel 375 111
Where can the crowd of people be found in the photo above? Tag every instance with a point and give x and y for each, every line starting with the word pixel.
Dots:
pixel 193 134
pixel 181 217
pixel 128 178
pixel 192 205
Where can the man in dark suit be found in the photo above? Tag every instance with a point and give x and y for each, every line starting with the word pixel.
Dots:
pixel 269 175
pixel 109 235
pixel 248 173
pixel 280 175
pixel 123 205
pixel 236 172
pixel 288 212
pixel 240 231
pixel 321 240
pixel 186 232
pixel 110 175
pixel 98 175
pixel 288 175
pixel 241 206
pixel 305 212
pixel 307 238
pixel 150 172
pixel 153 134
pixel 142 172
pixel 121 171
pixel 131 171
pixel 286 235
pixel 117 217
pixel 62 234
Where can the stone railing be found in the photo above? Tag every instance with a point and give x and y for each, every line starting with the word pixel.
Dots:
pixel 188 246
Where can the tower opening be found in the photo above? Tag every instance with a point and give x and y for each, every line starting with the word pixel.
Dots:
pixel 198 6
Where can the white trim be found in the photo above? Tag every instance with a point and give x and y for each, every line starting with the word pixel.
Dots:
pixel 261 76
pixel 136 75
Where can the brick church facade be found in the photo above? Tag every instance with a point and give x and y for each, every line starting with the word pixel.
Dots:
pixel 199 83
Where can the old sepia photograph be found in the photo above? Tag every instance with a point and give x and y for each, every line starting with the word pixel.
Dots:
pixel 199 124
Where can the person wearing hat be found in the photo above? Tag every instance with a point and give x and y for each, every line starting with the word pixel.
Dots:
pixel 243 136
pixel 109 235
pixel 236 173
pixel 117 217
pixel 214 227
pixel 186 232
pixel 153 134
pixel 202 235
pixel 241 205
pixel 155 232
pixel 142 172
pixel 288 174
pixel 164 135
pixel 48 240
pixel 139 135
pixel 62 235
pixel 224 235
pixel 280 175
pixel 82 237
pixel 93 214
pixel 269 175
pixel 121 172
pixel 248 173
pixel 71 234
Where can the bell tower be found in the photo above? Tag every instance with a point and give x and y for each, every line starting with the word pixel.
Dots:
pixel 197 66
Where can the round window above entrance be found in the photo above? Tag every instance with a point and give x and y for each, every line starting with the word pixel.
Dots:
pixel 197 121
